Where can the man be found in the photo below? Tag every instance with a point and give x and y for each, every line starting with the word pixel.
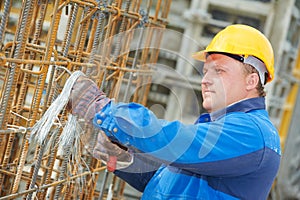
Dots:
pixel 231 152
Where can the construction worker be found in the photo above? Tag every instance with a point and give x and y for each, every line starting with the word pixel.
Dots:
pixel 231 152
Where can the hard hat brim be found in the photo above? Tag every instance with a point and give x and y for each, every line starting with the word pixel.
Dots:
pixel 201 55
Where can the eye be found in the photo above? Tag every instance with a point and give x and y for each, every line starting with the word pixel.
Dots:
pixel 219 70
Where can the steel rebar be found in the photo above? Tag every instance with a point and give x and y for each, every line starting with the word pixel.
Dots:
pixel 4 20
pixel 36 65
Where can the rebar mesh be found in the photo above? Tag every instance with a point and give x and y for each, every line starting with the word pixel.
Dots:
pixel 42 42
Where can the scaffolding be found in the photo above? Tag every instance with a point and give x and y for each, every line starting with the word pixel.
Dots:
pixel 42 42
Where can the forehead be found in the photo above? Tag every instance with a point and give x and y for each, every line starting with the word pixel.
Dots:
pixel 214 60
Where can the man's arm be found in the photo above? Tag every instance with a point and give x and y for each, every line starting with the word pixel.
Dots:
pixel 198 148
pixel 139 173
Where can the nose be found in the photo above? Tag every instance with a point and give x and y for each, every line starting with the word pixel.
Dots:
pixel 206 78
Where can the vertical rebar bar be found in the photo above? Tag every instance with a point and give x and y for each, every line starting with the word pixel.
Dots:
pixel 50 44
pixel 65 48
pixel 62 170
pixel 37 166
pixel 121 29
pixel 42 78
pixel 38 94
pixel 70 30
pixel 4 20
pixel 99 30
pixel 134 63
pixel 25 82
pixel 21 38
pixel 46 178
pixel 102 189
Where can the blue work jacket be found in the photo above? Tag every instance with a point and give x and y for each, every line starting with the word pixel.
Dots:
pixel 233 153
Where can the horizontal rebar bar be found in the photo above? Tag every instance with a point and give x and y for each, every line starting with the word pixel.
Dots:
pixel 35 66
pixel 12 196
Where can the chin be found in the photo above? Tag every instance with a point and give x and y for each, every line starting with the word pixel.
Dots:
pixel 207 106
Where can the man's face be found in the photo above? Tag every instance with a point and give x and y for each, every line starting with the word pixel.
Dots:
pixel 223 82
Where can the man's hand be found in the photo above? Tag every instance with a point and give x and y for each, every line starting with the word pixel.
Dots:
pixel 112 154
pixel 86 99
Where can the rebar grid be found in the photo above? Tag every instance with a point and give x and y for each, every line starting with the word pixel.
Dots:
pixel 98 39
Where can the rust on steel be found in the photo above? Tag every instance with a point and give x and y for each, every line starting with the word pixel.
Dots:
pixel 41 43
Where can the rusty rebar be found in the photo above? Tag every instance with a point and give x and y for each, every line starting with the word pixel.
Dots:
pixel 36 64
pixel 19 194
pixel 4 20
pixel 10 84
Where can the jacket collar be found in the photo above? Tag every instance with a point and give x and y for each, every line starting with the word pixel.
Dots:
pixel 241 106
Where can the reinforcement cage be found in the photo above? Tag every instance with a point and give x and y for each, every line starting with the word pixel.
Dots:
pixel 42 42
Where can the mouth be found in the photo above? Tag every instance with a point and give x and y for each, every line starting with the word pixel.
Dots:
pixel 207 91
pixel 207 94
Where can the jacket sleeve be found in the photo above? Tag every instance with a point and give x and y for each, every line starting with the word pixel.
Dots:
pixel 206 148
pixel 139 173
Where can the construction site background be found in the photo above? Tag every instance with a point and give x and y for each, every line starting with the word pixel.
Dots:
pixel 135 50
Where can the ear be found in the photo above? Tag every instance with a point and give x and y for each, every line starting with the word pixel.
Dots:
pixel 252 81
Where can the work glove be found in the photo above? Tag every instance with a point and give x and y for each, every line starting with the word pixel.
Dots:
pixel 86 99
pixel 111 153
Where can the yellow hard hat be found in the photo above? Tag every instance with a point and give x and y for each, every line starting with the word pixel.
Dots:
pixel 242 40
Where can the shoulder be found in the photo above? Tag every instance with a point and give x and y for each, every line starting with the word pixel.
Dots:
pixel 256 122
